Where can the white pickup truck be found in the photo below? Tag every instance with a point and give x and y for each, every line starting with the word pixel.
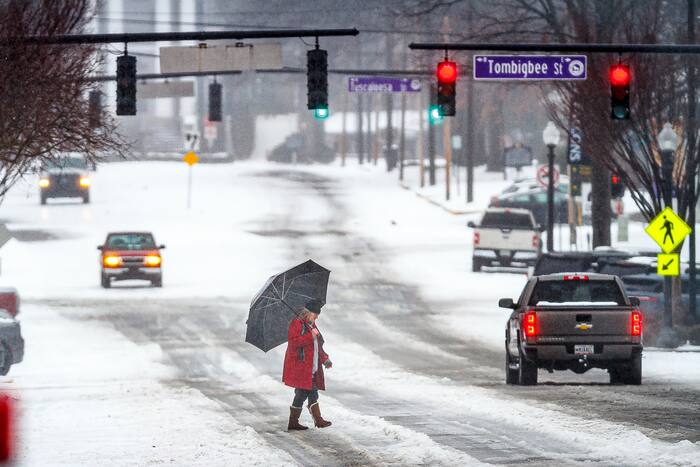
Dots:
pixel 506 237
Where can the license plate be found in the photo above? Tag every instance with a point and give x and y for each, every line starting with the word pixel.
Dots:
pixel 585 349
pixel 504 252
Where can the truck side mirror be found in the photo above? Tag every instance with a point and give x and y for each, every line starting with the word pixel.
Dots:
pixel 471 224
pixel 161 247
pixel 634 301
pixel 99 247
pixel 506 303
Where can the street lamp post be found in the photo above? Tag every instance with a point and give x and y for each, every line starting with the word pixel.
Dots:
pixel 668 143
pixel 550 135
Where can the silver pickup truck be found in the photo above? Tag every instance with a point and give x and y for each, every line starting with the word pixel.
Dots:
pixel 573 321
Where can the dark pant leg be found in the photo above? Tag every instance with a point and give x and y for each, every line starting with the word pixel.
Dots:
pixel 300 396
pixel 313 397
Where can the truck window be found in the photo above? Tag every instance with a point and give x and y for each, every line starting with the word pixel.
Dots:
pixel 508 220
pixel 577 291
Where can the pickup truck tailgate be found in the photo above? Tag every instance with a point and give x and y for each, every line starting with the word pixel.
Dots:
pixel 584 321
pixel 508 239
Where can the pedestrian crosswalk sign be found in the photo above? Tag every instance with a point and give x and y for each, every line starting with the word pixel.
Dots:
pixel 668 230
pixel 668 265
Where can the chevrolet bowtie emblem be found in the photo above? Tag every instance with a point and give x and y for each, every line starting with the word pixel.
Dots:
pixel 584 326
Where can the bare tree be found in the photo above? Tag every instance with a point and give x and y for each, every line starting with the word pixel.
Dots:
pixel 44 89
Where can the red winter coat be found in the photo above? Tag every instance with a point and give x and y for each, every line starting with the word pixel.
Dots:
pixel 298 361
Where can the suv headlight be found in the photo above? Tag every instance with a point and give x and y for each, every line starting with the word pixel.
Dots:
pixel 44 182
pixel 111 261
pixel 85 182
pixel 152 261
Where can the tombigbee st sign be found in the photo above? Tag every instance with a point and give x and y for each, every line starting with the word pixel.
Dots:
pixel 529 67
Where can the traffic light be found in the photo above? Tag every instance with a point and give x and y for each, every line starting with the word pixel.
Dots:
pixel 447 79
pixel 317 80
pixel 620 78
pixel 126 85
pixel 434 114
pixel 95 109
pixel 617 188
pixel 214 102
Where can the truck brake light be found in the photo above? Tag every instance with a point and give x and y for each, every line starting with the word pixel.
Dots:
pixel 636 323
pixel 477 238
pixel 575 278
pixel 536 241
pixel 530 324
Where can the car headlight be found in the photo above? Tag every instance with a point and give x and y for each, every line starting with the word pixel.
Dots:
pixel 85 182
pixel 152 260
pixel 111 261
pixel 44 183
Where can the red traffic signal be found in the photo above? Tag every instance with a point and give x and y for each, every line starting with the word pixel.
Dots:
pixel 620 75
pixel 447 72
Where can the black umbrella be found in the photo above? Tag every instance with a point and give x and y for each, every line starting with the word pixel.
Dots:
pixel 281 298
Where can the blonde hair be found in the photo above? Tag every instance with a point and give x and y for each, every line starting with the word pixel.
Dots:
pixel 304 314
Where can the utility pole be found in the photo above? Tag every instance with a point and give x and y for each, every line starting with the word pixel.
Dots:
pixel 690 166
pixel 390 155
pixel 421 136
pixel 447 146
pixel 431 141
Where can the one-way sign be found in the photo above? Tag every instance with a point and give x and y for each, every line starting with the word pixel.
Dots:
pixel 530 67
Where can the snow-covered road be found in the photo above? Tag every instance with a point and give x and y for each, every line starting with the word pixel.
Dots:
pixel 160 376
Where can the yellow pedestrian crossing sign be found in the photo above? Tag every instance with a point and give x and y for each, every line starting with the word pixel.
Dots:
pixel 191 158
pixel 668 230
pixel 668 265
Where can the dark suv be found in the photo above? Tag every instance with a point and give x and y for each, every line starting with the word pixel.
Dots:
pixel 66 177
pixel 131 255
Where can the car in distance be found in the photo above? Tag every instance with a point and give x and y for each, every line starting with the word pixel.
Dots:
pixel 65 177
pixel 9 300
pixel 130 255
pixel 11 342
pixel 506 237
pixel 573 321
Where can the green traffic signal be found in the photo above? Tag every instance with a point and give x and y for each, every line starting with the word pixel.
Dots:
pixel 434 114
pixel 321 113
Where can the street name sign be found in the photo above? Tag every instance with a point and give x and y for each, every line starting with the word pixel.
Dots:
pixel 191 158
pixel 668 230
pixel 530 67
pixel 194 59
pixel 668 264
pixel 379 84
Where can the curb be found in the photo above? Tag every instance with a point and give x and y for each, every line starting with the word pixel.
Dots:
pixel 454 212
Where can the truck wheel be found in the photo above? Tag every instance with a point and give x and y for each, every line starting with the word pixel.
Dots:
pixel 616 375
pixel 157 282
pixel 104 280
pixel 527 372
pixel 43 199
pixel 5 359
pixel 511 375
pixel 86 198
pixel 476 264
pixel 634 372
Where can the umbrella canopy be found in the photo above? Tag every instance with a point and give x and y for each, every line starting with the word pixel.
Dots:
pixel 280 299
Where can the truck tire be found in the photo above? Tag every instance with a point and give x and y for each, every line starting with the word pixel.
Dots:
pixel 105 282
pixel 5 359
pixel 43 199
pixel 158 282
pixel 511 375
pixel 476 264
pixel 633 375
pixel 616 375
pixel 527 372
pixel 86 198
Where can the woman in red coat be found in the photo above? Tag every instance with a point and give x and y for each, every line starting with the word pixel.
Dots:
pixel 303 365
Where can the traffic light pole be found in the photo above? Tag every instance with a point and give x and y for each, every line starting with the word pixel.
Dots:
pixel 129 38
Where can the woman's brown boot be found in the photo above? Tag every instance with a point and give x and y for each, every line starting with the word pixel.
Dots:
pixel 294 413
pixel 318 419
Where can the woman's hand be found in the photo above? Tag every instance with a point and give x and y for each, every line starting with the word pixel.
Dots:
pixel 328 364
pixel 315 332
